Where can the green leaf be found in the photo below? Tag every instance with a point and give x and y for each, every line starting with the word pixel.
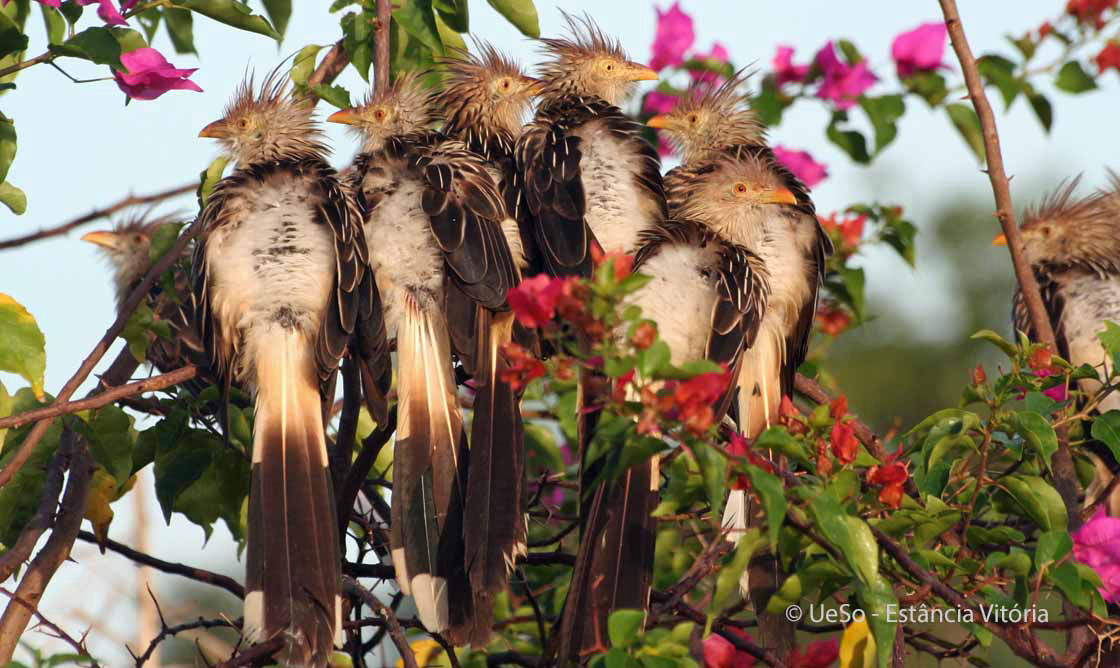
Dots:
pixel 769 487
pixel 1000 72
pixel 13 198
pixel 623 627
pixel 12 39
pixel 1039 502
pixel 303 65
pixel 1073 79
pixel 1042 109
pixel 418 20
pixel 136 330
pixel 769 103
pixel 454 13
pixel 965 121
pixel 72 11
pixel 209 178
pixel 1018 562
pixel 232 14
pixel 652 359
pixel 521 13
pixel 110 439
pixel 149 20
pixel 452 41
pixel 1052 546
pixel 877 599
pixel 163 239
pixel 899 234
pixel 1106 429
pixel 22 345
pixel 1010 349
pixel 96 45
pixel 1038 432
pixel 727 581
pixel 850 141
pixel 180 28
pixel 883 112
pixel 848 533
pixel 19 497
pixel 357 39
pixel 777 438
pixel 54 23
pixel 1110 339
pixel 335 94
pixel 129 40
pixel 713 469
pixel 279 11
pixel 930 86
pixel 1024 44
pixel 8 145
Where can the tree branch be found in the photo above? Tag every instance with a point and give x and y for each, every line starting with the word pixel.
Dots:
pixel 101 398
pixel 197 574
pixel 331 66
pixel 352 588
pixel 124 313
pixel 727 631
pixel 79 646
pixel 342 454
pixel 43 517
pixel 371 447
pixel 97 214
pixel 381 46
pixel 255 652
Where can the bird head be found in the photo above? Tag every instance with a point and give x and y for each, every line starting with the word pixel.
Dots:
pixel 485 94
pixel 1064 231
pixel 401 109
pixel 710 119
pixel 268 125
pixel 590 64
pixel 735 194
pixel 126 248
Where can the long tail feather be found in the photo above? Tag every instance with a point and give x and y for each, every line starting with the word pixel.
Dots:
pixel 495 531
pixel 293 574
pixel 426 532
pixel 760 391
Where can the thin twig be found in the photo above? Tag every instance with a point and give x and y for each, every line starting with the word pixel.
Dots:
pixel 123 314
pixel 254 653
pixel 352 588
pixel 41 58
pixel 102 398
pixel 168 631
pixel 359 470
pixel 97 214
pixel 725 630
pixel 196 574
pixel 79 646
pixel 381 46
pixel 342 454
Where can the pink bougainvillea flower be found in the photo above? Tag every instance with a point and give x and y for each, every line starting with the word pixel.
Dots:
pixel 1097 545
pixel 108 12
pixel 150 75
pixel 920 50
pixel 48 3
pixel 720 653
pixel 784 69
pixel 660 103
pixel 718 54
pixel 817 654
pixel 674 37
pixel 842 83
pixel 533 301
pixel 807 170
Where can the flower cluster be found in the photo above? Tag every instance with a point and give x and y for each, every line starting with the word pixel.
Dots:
pixel 801 164
pixel 841 83
pixel 687 401
pixel 1090 12
pixel 149 75
pixel 1109 57
pixel 845 229
pixel 720 653
pixel 674 39
pixel 890 476
pixel 1041 364
pixel 1097 545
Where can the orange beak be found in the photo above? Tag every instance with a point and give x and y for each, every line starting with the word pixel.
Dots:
pixel 780 195
pixel 1000 240
pixel 103 239
pixel 216 130
pixel 639 72
pixel 344 116
pixel 661 121
pixel 534 86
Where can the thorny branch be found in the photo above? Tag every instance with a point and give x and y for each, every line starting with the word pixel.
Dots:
pixel 78 645
pixel 352 588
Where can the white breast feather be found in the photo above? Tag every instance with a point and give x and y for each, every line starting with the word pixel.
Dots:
pixel 1089 301
pixel 680 299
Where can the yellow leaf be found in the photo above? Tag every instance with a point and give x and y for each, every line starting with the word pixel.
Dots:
pixel 428 654
pixel 22 346
pixel 857 646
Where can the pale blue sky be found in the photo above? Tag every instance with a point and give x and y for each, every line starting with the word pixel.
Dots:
pixel 81 148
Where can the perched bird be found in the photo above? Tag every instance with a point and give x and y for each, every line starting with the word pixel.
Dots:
pixel 430 199
pixel 1073 246
pixel 768 211
pixel 710 119
pixel 282 286
pixel 585 173
pixel 126 247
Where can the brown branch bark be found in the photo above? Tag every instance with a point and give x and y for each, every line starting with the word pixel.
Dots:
pixel 727 631
pixel 342 455
pixel 381 46
pixel 124 313
pixel 371 447
pixel 254 653
pixel 101 398
pixel 330 67
pixel 97 214
pixel 351 587
pixel 78 645
pixel 57 548
pixel 197 574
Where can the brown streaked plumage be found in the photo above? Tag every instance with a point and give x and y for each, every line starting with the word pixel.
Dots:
pixel 405 108
pixel 710 119
pixel 282 287
pixel 429 198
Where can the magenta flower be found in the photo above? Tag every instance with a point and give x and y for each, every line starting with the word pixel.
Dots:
pixel 919 50
pixel 659 103
pixel 150 75
pixel 48 3
pixel 1097 545
pixel 674 37
pixel 784 69
pixel 843 83
pixel 808 171
pixel 107 11
pixel 718 54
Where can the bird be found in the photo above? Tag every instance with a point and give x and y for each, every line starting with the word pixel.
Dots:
pixel 126 247
pixel 1073 247
pixel 427 197
pixel 282 287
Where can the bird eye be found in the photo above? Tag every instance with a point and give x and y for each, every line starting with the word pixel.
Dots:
pixel 693 119
pixel 243 123
pixel 138 238
pixel 609 67
pixel 741 189
pixel 505 84
pixel 1046 230
pixel 379 114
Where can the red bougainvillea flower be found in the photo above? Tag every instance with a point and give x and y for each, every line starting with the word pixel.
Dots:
pixel 738 447
pixel 522 366
pixel 891 476
pixel 851 230
pixel 1090 12
pixel 109 14
pixel 1109 57
pixel 1041 359
pixel 845 446
pixel 1097 545
pixel 1045 30
pixel 691 401
pixel 979 377
pixel 824 464
pixel 817 654
pixel 644 335
pixel 720 653
pixel 808 171
pixel 718 54
pixel 842 83
pixel 150 75
pixel 621 262
pixel 784 69
pixel 920 50
pixel 533 300
pixel 838 408
pixel 673 38
pixel 657 102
